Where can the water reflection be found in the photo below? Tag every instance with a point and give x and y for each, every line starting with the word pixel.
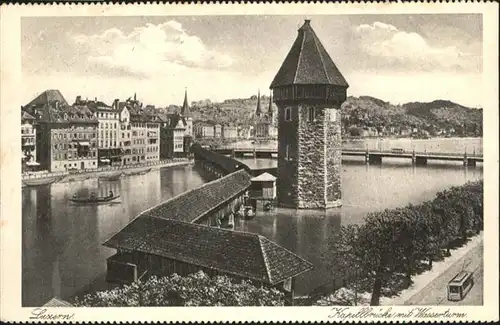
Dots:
pixel 61 243
pixel 62 251
pixel 365 189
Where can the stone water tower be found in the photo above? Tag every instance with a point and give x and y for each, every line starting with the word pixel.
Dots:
pixel 309 90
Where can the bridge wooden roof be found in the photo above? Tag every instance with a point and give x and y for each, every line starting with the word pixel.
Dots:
pixel 227 163
pixel 192 205
pixel 242 254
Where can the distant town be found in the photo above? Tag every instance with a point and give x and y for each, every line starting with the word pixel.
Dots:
pixel 87 134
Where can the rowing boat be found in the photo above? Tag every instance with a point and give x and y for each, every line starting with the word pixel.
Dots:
pixel 102 199
pixel 40 181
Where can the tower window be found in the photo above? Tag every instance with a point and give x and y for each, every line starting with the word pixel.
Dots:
pixel 312 115
pixel 288 114
pixel 287 151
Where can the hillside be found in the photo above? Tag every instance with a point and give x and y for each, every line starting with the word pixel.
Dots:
pixel 359 114
pixel 434 118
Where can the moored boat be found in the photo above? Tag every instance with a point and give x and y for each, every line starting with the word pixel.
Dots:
pixel 40 181
pixel 111 177
pixel 249 212
pixel 138 172
pixel 93 200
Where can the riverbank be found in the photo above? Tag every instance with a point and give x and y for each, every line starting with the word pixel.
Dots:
pixel 65 177
pixel 423 285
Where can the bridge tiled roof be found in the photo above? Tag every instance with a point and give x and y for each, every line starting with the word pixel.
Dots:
pixel 246 255
pixel 227 163
pixel 194 204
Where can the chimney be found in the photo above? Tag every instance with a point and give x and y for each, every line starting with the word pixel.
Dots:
pixel 78 99
pixel 95 100
pixel 115 103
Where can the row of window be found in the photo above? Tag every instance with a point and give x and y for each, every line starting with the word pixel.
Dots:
pixel 61 136
pixel 28 141
pixel 178 146
pixel 64 156
pixel 110 134
pixel 107 125
pixel 69 146
pixel 152 149
pixel 27 130
pixel 107 115
pixel 137 150
pixel 312 114
pixel 74 165
pixel 107 144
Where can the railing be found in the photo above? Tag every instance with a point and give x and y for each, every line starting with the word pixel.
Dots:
pixel 358 150
pixel 32 175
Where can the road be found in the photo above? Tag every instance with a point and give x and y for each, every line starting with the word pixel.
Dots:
pixel 435 292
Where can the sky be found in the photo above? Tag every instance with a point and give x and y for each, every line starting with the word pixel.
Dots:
pixel 397 58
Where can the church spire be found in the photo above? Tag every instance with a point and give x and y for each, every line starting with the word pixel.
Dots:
pixel 135 97
pixel 258 111
pixel 270 109
pixel 185 107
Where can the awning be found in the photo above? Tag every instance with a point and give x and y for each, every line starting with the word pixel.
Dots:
pixel 32 163
pixel 84 143
pixel 104 160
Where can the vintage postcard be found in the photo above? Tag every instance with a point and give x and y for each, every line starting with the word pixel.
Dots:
pixel 236 162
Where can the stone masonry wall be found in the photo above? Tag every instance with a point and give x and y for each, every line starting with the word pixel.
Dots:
pixel 311 169
pixel 311 177
pixel 333 158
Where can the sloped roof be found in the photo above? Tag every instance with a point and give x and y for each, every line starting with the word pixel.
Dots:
pixel 242 254
pixel 200 201
pixel 56 302
pixel 264 177
pixel 26 116
pixel 47 97
pixel 174 120
pixel 308 63
pixel 62 114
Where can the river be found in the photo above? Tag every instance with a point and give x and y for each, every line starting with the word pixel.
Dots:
pixel 61 243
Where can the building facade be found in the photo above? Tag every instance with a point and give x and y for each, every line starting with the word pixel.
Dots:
pixel 229 132
pixel 172 137
pixel 145 133
pixel 108 131
pixel 309 136
pixel 28 139
pixel 66 138
pixel 264 123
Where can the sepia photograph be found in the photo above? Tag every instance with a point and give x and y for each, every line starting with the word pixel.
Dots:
pixel 311 159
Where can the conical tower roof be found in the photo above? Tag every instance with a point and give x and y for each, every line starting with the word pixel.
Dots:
pixel 185 107
pixel 258 110
pixel 308 63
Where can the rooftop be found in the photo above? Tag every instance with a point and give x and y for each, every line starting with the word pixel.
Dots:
pixel 192 205
pixel 56 302
pixel 238 253
pixel 264 177
pixel 47 97
pixel 308 63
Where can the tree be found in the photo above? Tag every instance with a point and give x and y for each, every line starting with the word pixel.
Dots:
pixel 196 289
pixel 346 263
